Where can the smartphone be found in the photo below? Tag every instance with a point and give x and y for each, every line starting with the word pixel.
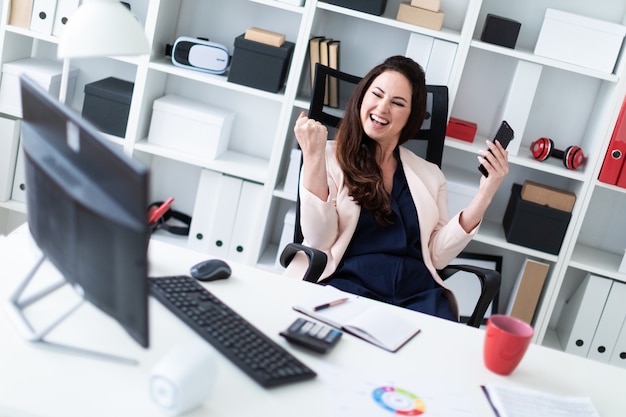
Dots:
pixel 504 135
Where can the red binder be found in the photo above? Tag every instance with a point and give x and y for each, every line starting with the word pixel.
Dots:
pixel 616 153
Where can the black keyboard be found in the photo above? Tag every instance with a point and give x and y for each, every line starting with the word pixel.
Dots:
pixel 253 352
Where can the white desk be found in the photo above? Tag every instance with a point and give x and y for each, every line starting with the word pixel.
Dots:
pixel 40 382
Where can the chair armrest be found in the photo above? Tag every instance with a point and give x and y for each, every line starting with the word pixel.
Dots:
pixel 317 260
pixel 490 285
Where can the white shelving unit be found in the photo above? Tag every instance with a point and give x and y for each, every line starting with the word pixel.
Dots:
pixel 573 105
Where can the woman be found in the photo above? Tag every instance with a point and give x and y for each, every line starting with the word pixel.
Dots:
pixel 376 209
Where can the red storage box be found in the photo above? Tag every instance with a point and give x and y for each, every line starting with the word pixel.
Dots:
pixel 461 129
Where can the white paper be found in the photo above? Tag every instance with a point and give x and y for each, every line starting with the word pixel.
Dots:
pixel 522 402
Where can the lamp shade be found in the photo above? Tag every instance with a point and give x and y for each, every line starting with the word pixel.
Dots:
pixel 102 28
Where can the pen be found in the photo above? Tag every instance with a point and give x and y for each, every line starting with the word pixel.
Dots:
pixel 330 304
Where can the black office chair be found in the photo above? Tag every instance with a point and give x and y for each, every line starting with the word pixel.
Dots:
pixel 432 134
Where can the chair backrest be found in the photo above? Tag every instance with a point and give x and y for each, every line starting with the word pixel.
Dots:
pixel 329 82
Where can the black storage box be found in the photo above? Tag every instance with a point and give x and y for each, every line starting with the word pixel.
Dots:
pixel 533 225
pixel 501 31
pixel 376 7
pixel 107 103
pixel 259 65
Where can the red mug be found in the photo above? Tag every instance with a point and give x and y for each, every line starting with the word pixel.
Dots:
pixel 506 341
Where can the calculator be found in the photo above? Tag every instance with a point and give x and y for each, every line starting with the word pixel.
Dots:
pixel 315 336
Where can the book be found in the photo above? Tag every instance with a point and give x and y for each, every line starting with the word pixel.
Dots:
pixel 314 55
pixel 511 401
pixel 527 290
pixel 360 317
pixel 333 83
pixel 324 60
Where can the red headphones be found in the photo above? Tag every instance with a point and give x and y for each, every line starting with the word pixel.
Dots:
pixel 543 148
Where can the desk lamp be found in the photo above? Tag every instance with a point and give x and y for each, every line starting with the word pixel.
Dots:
pixel 99 28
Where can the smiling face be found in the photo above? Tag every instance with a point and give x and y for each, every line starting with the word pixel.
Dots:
pixel 386 107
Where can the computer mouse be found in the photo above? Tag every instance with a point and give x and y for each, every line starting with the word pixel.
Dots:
pixel 210 270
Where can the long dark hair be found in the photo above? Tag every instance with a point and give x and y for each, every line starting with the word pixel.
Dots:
pixel 356 152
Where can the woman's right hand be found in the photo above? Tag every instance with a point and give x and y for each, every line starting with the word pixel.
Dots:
pixel 311 135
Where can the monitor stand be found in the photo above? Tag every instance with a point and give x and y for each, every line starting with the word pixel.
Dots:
pixel 16 309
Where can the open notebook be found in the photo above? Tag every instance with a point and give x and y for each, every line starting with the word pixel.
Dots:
pixel 359 317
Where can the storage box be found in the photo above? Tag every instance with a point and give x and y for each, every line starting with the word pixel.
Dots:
pixel 548 196
pixel 190 126
pixel 258 65
pixel 461 129
pixel 376 7
pixel 9 145
pixel 461 189
pixel 533 225
pixel 500 30
pixel 287 233
pixel 45 72
pixel 293 172
pixel 107 103
pixel 580 40
pixel 420 17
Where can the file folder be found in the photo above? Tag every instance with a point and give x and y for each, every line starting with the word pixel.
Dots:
pixel 42 18
pixel 610 324
pixel 64 10
pixel 618 356
pixel 204 211
pixel 616 152
pixel 245 219
pixel 581 314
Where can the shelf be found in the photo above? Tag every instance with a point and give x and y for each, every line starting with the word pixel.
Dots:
pixel 280 5
pixel 165 65
pixel 531 57
pixel 524 158
pixel 444 34
pixel 13 206
pixel 597 261
pixel 232 163
pixel 492 233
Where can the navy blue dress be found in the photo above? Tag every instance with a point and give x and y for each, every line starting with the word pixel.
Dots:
pixel 385 262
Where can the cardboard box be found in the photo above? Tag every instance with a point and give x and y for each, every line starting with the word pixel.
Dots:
pixel 45 72
pixel 461 129
pixel 376 7
pixel 420 17
pixel 580 40
pixel 190 126
pixel 270 64
pixel 533 225
pixel 107 104
pixel 501 31
pixel 265 36
pixel 548 196
pixel 432 5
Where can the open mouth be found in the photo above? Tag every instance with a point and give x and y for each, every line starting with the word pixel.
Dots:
pixel 379 121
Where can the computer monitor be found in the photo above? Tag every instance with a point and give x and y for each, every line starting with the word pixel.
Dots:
pixel 87 209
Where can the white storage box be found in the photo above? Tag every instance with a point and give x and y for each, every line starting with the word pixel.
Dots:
pixel 580 40
pixel 286 236
pixel 190 126
pixel 293 171
pixel 45 72
pixel 461 189
pixel 9 145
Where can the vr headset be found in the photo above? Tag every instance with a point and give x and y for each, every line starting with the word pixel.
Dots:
pixel 199 54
